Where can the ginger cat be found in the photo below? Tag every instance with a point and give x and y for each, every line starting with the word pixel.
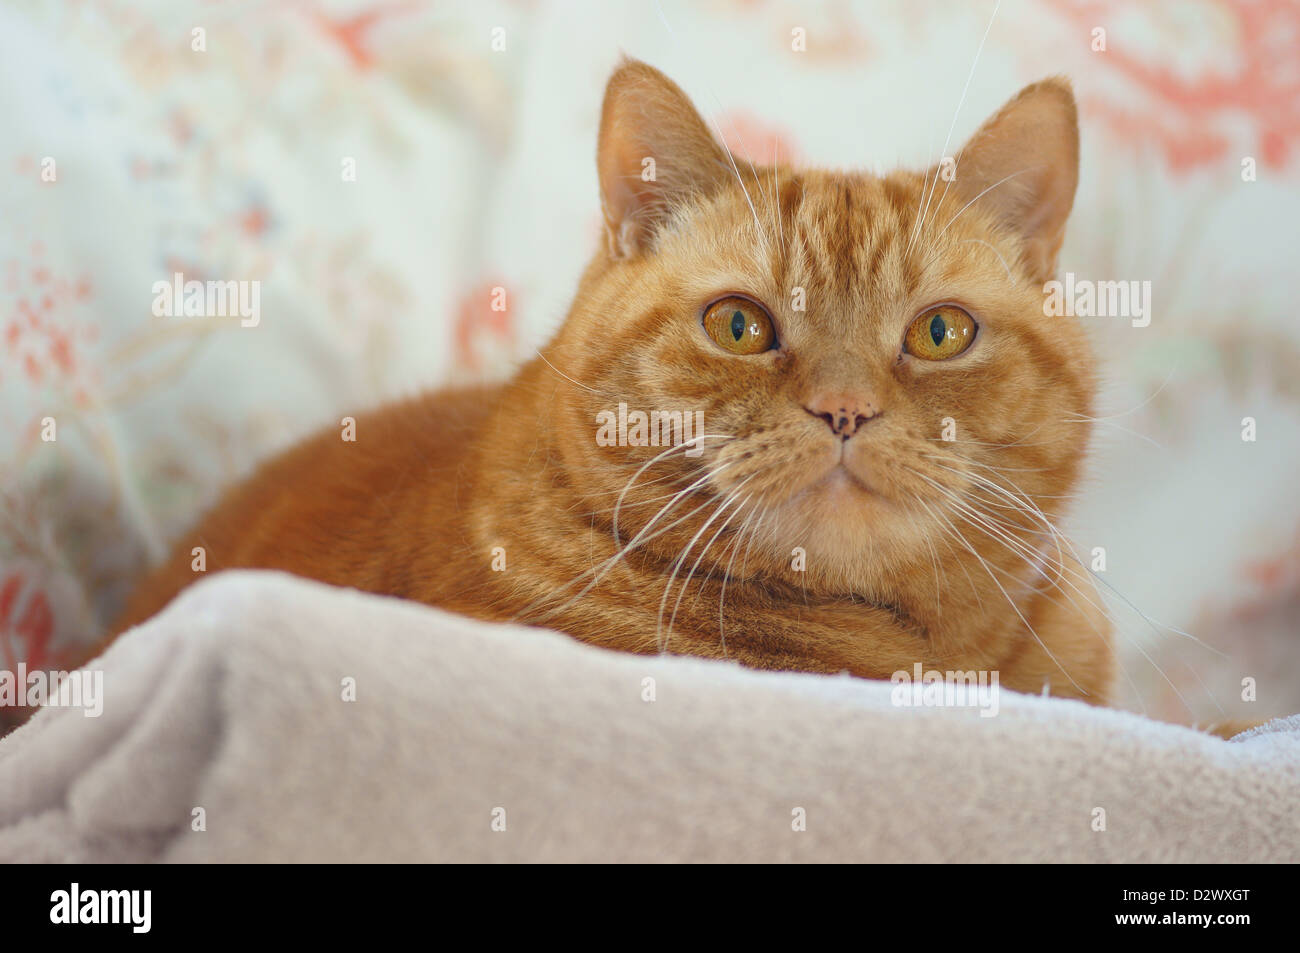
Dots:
pixel 890 425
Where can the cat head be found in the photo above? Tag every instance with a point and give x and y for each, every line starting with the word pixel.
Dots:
pixel 870 354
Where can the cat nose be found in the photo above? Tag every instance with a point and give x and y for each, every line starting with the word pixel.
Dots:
pixel 844 413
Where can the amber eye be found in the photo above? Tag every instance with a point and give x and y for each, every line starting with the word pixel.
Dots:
pixel 937 334
pixel 740 326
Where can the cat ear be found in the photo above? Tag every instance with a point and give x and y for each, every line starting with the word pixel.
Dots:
pixel 654 152
pixel 1023 165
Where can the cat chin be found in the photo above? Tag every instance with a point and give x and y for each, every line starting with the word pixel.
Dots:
pixel 841 500
pixel 848 483
pixel 850 518
pixel 842 484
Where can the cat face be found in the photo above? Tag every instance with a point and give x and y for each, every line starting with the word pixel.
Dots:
pixel 876 375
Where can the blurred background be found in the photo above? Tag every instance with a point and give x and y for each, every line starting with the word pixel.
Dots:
pixel 471 127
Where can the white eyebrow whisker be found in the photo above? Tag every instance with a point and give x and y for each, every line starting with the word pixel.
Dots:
pixel 957 112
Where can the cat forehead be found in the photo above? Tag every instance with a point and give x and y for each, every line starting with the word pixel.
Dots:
pixel 850 193
pixel 835 213
pixel 846 235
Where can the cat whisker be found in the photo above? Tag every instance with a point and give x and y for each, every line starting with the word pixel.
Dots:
pixel 753 537
pixel 1067 550
pixel 949 529
pixel 957 112
pixel 618 541
pixel 989 466
pixel 979 241
pixel 1022 442
pixel 1010 601
pixel 685 585
pixel 718 511
pixel 776 196
pixel 945 538
pixel 758 179
pixel 925 184
pixel 566 376
pixel 762 235
pixel 934 562
pixel 986 191
pixel 1085 419
pixel 723 142
pixel 1041 516
pixel 1020 503
pixel 726 575
pixel 1004 532
pixel 642 537
pixel 1152 396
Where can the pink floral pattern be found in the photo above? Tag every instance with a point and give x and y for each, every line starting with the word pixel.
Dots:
pixel 1202 117
pixel 26 623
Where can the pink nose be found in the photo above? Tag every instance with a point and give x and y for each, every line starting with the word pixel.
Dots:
pixel 844 413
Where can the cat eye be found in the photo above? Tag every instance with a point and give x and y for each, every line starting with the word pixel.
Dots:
pixel 937 334
pixel 740 326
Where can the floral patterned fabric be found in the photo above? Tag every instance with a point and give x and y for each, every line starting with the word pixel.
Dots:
pixel 136 148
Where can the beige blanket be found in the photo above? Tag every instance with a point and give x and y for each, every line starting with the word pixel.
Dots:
pixel 266 718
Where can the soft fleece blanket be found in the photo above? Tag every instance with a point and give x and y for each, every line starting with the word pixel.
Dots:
pixel 476 742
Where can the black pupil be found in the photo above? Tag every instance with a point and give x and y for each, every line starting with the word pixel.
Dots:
pixel 938 329
pixel 737 324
